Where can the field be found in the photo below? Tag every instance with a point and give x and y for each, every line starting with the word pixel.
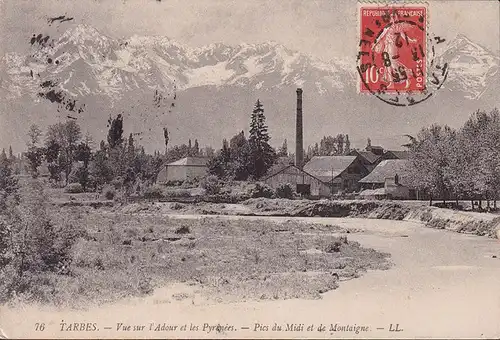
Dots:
pixel 131 254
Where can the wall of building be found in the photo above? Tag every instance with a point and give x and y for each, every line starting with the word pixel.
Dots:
pixel 350 178
pixel 180 173
pixel 294 176
pixel 396 191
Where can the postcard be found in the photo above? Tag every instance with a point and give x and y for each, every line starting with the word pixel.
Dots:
pixel 249 169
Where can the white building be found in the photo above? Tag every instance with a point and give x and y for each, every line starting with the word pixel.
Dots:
pixel 186 168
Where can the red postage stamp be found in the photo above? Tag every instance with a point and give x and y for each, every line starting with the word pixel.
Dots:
pixel 392 48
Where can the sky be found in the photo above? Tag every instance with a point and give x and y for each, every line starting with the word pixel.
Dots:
pixel 323 28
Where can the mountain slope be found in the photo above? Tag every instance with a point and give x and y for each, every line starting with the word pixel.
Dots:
pixel 208 92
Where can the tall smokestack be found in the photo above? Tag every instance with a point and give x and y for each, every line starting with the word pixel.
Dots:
pixel 299 148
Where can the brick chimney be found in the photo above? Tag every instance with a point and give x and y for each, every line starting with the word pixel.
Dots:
pixel 299 147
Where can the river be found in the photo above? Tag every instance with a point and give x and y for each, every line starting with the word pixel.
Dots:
pixel 442 284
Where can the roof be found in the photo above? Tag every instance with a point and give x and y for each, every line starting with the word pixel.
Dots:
pixel 190 161
pixel 327 167
pixel 378 147
pixel 291 166
pixel 368 155
pixel 387 169
pixel 399 154
pixel 281 162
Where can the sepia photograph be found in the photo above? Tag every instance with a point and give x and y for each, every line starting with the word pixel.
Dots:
pixel 267 169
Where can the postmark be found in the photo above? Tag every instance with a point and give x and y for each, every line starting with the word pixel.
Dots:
pixel 396 56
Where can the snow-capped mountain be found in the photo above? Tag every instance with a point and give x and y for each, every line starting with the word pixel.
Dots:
pixel 203 91
pixel 86 62
pixel 473 67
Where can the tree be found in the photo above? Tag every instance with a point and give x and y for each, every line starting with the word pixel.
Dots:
pixel 220 163
pixel 115 133
pixel 196 148
pixel 430 160
pixel 34 153
pixel 34 134
pixel 347 145
pixel 11 155
pixel 52 151
pixel 209 152
pixel 66 135
pixel 165 136
pixel 283 151
pixel 261 156
pixel 8 183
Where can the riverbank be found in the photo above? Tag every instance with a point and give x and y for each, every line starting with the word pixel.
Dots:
pixel 481 224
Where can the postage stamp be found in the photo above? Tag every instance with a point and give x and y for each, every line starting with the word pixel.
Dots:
pixel 392 54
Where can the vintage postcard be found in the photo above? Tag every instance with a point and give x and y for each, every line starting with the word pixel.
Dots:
pixel 249 169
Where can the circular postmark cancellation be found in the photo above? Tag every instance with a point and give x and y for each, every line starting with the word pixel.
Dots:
pixel 396 61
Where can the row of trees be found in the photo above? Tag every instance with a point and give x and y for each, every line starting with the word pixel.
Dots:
pixel 458 164
pixel 243 158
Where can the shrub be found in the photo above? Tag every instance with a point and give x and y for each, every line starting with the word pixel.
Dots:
pixel 37 247
pixel 262 190
pixel 190 183
pixel 211 184
pixel 154 191
pixel 109 192
pixel 334 247
pixel 74 188
pixel 177 193
pixel 285 191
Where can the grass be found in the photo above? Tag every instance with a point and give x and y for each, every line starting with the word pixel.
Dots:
pixel 132 254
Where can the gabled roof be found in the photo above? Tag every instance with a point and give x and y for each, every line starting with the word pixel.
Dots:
pixel 327 167
pixel 399 154
pixel 281 163
pixel 284 168
pixel 368 155
pixel 387 169
pixel 190 161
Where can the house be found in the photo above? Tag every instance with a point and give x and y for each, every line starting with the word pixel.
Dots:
pixel 387 180
pixel 341 173
pixel 186 168
pixel 303 182
pixel 367 158
pixel 395 154
pixel 375 149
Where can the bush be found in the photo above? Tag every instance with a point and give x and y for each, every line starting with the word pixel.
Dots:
pixel 211 184
pixel 190 183
pixel 37 247
pixel 154 191
pixel 109 192
pixel 262 190
pixel 285 191
pixel 74 188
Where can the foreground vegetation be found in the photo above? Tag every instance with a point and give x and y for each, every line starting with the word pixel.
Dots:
pixel 90 256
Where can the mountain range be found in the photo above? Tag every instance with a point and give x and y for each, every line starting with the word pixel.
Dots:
pixel 207 93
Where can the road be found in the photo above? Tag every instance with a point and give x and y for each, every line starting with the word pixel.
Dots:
pixel 442 284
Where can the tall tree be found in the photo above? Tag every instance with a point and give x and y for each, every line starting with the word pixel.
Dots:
pixel 11 155
pixel 166 138
pixel 34 153
pixel 347 145
pixel 115 133
pixel 261 155
pixel 196 148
